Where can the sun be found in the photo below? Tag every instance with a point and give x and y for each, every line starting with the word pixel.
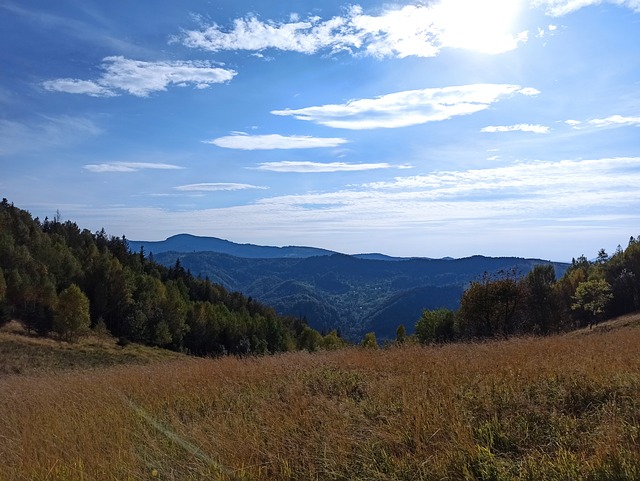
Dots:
pixel 482 25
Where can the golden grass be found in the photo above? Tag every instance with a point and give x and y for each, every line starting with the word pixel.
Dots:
pixel 547 408
pixel 21 353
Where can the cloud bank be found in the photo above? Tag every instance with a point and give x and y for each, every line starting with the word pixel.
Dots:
pixel 411 30
pixel 435 212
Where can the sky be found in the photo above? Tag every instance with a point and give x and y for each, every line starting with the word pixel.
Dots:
pixel 430 129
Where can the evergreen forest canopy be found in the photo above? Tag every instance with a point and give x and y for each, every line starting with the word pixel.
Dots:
pixel 56 277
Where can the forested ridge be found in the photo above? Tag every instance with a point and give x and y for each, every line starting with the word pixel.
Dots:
pixel 348 293
pixel 57 277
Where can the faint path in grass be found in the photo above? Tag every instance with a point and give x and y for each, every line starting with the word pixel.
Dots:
pixel 179 441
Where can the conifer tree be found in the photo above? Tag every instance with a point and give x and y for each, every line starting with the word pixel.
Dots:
pixel 370 341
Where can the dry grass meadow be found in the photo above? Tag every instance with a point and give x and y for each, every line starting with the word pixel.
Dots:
pixel 556 408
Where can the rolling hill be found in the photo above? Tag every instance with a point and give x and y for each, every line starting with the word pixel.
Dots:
pixel 192 243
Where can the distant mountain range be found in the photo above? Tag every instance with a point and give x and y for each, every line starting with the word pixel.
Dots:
pixel 354 294
pixel 192 243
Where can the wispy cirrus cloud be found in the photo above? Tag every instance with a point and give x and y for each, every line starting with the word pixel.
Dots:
pixel 75 86
pixel 217 186
pixel 315 167
pixel 274 141
pixel 616 120
pixel 558 8
pixel 141 78
pixel 97 31
pixel 527 178
pixel 410 30
pixel 128 167
pixel 536 129
pixel 411 107
pixel 46 132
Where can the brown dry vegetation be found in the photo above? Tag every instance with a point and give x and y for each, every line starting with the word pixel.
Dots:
pixel 547 408
pixel 22 353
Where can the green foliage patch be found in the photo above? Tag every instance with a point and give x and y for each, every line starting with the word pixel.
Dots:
pixel 55 276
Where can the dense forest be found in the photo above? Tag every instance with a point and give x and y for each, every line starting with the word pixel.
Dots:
pixel 507 304
pixel 56 277
pixel 345 292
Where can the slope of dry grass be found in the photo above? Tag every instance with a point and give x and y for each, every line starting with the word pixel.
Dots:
pixel 554 408
pixel 21 353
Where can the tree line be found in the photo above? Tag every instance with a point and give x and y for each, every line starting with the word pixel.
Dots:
pixel 507 304
pixel 56 277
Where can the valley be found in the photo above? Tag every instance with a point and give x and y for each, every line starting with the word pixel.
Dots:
pixel 353 294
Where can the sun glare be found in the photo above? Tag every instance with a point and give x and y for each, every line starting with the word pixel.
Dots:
pixel 485 26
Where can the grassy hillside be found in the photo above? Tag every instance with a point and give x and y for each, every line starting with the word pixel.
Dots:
pixel 554 408
pixel 21 353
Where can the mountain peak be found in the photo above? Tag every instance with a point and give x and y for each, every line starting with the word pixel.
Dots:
pixel 192 243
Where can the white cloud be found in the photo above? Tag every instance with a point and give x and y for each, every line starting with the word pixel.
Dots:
pixel 217 186
pixel 74 86
pixel 558 8
pixel 141 78
pixel 536 129
pixel 527 178
pixel 529 91
pixel 411 107
pixel 617 120
pixel 485 26
pixel 410 30
pixel 274 141
pixel 549 32
pixel 573 123
pixel 313 167
pixel 128 167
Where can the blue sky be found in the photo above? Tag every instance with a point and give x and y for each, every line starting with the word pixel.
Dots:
pixel 446 128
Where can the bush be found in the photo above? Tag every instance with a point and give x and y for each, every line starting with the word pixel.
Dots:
pixel 436 326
